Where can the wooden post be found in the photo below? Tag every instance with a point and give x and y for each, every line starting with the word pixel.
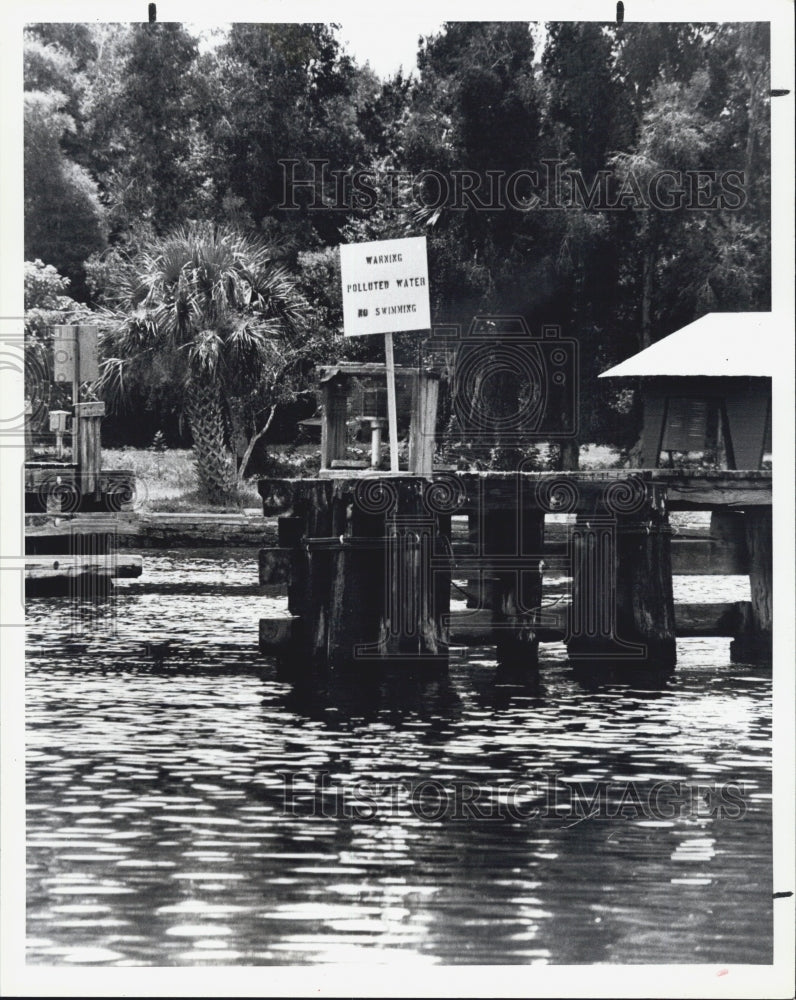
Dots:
pixel 355 594
pixel 387 601
pixel 515 537
pixel 622 612
pixel 333 422
pixel 290 530
pixel 392 414
pixel 88 419
pixel 28 431
pixel 728 525
pixel 728 541
pixel 308 590
pixel 75 360
pixel 412 632
pixel 649 445
pixel 479 590
pixel 58 419
pixel 425 393
pixel 755 645
pixel 75 402
pixel 441 583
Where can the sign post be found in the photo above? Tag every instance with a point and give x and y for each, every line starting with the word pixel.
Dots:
pixel 385 290
pixel 75 361
pixel 392 411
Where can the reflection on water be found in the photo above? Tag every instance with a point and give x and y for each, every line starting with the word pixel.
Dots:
pixel 185 806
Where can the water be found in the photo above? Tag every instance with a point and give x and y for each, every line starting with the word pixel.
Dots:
pixel 160 831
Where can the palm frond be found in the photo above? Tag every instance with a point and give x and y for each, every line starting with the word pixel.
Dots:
pixel 205 301
pixel 205 354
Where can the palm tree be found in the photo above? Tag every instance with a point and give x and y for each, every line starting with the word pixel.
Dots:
pixel 207 307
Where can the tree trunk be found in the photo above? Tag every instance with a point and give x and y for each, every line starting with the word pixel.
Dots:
pixel 214 465
pixel 569 455
pixel 648 269
pixel 238 434
pixel 249 446
pixel 746 60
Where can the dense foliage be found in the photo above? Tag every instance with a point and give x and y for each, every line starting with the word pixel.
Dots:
pixel 134 131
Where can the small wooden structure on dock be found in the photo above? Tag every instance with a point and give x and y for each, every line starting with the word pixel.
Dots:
pixel 707 387
pixel 62 486
pixel 336 382
pixel 76 557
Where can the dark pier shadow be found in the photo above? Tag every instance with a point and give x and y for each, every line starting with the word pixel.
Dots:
pixel 599 676
pixel 391 694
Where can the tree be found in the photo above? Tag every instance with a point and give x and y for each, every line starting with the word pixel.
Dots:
pixel 693 260
pixel 143 108
pixel 64 219
pixel 134 124
pixel 698 91
pixel 208 307
pixel 475 108
pixel 283 92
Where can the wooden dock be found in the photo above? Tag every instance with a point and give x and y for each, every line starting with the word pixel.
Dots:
pixel 67 574
pixel 63 488
pixel 369 562
pixel 79 556
pixel 155 530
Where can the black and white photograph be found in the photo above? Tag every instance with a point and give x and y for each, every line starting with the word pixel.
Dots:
pixel 390 403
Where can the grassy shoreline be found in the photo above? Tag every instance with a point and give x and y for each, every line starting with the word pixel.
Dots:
pixel 166 481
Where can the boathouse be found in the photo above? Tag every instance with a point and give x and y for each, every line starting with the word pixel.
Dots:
pixel 706 389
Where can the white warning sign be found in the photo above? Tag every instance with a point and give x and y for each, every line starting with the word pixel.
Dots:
pixel 385 286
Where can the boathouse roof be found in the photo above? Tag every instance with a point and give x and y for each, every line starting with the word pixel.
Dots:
pixel 730 343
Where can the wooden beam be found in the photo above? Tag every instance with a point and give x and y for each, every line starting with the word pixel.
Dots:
pixel 685 490
pixel 374 369
pixel 148 530
pixel 68 567
pixel 708 557
pixel 469 627
pixel 423 425
pixel 475 627
pixel 691 556
pixel 719 619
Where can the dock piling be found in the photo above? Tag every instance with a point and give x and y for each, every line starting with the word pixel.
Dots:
pixel 755 643
pixel 372 560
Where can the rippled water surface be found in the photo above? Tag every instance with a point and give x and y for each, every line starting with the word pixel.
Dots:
pixel 453 822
